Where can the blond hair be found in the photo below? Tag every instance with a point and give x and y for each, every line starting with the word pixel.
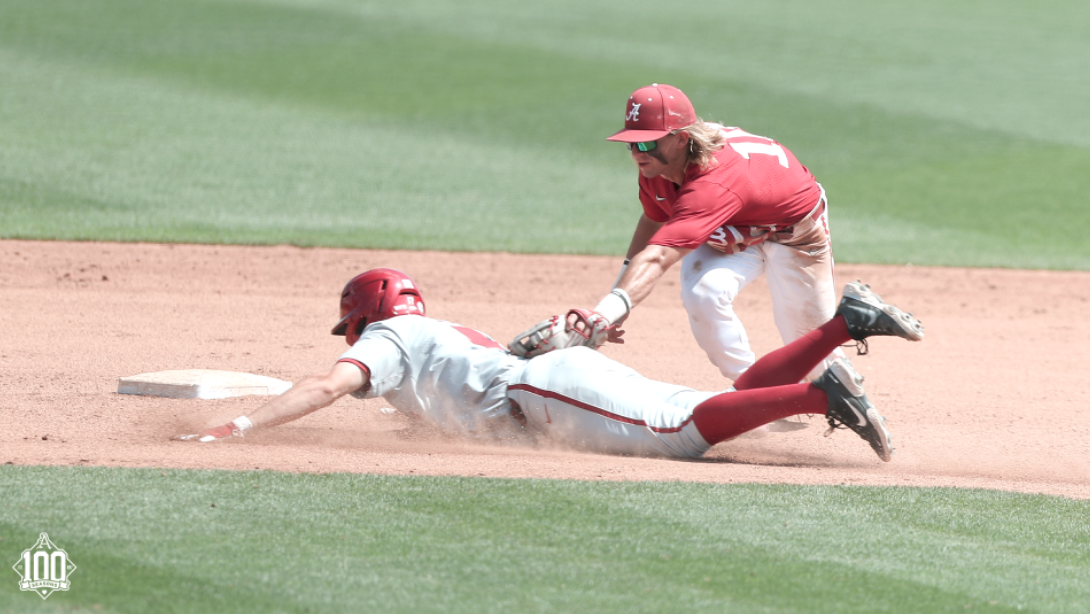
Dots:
pixel 704 140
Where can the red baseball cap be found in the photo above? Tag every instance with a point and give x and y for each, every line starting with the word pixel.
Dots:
pixel 652 112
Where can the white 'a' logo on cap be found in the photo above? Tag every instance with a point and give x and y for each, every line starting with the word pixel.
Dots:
pixel 633 113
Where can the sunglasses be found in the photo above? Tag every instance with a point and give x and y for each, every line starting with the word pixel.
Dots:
pixel 647 145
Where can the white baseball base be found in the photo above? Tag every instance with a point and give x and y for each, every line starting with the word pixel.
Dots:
pixel 200 384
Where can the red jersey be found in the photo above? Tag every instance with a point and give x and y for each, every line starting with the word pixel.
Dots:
pixel 754 188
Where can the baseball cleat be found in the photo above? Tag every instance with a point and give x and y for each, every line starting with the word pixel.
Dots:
pixel 850 408
pixel 868 315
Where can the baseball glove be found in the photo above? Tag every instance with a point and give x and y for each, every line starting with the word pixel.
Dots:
pixel 579 327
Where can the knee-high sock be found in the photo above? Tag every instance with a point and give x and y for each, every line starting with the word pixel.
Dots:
pixel 730 414
pixel 791 363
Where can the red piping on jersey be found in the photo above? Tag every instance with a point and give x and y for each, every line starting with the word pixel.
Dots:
pixel 548 394
pixel 359 364
pixel 363 367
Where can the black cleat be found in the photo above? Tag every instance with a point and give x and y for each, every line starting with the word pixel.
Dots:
pixel 850 408
pixel 868 315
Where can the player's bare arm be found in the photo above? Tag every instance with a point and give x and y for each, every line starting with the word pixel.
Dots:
pixel 646 268
pixel 311 394
pixel 645 229
pixel 307 396
pixel 580 327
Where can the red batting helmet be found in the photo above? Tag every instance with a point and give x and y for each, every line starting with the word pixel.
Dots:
pixel 374 296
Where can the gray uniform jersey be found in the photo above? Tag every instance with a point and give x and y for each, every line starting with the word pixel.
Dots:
pixel 452 376
pixel 463 381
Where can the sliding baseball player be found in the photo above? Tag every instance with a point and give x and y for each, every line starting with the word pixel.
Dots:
pixel 462 381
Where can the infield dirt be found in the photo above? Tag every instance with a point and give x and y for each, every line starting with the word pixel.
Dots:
pixel 992 398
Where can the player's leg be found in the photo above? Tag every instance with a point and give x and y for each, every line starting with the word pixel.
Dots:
pixel 710 281
pixel 730 414
pixel 582 399
pixel 860 315
pixel 794 361
pixel 837 393
pixel 801 283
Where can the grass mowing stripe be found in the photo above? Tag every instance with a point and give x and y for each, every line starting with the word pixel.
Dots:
pixel 254 184
pixel 1006 66
pixel 363 69
pixel 1013 205
pixel 307 122
pixel 226 169
pixel 150 540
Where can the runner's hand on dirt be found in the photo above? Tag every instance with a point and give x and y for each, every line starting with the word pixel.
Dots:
pixel 220 432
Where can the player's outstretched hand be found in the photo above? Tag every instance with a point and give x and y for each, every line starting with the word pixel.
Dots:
pixel 615 334
pixel 231 429
pixel 596 329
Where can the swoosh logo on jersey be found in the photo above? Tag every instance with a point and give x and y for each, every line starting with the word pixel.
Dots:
pixel 659 198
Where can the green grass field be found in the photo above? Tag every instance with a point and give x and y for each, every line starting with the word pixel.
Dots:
pixel 185 541
pixel 946 133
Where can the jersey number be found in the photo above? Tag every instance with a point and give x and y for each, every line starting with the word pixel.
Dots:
pixel 769 149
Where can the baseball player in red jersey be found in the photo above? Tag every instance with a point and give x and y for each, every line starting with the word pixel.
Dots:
pixel 730 206
pixel 462 381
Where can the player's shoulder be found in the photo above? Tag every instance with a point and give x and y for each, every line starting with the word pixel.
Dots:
pixel 423 325
pixel 401 325
pixel 734 133
pixel 416 333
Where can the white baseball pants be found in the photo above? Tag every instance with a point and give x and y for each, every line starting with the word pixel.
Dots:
pixel 799 272
pixel 584 400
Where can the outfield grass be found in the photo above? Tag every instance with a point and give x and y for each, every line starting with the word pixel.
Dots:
pixel 190 541
pixel 945 133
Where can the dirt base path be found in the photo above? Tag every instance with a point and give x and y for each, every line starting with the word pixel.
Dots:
pixel 993 398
